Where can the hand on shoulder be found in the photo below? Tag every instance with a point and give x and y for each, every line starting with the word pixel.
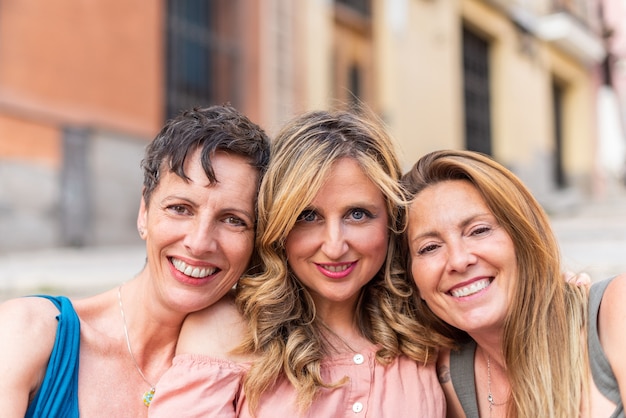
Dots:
pixel 579 279
pixel 214 331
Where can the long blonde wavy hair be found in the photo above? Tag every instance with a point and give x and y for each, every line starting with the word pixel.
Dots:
pixel 543 344
pixel 283 328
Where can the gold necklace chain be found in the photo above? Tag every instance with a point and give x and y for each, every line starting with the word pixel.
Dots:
pixel 147 396
pixel 490 398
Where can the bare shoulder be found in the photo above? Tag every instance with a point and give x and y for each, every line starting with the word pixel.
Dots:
pixel 611 320
pixel 28 330
pixel 28 317
pixel 453 405
pixel 214 331
pixel 616 288
pixel 612 307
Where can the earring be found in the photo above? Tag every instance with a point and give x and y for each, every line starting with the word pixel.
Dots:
pixel 141 231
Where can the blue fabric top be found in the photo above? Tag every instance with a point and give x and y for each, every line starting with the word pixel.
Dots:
pixel 58 395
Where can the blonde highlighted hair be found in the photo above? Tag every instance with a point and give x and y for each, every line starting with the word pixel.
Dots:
pixel 543 347
pixel 284 330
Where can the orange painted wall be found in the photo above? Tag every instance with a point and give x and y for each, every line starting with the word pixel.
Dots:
pixel 24 141
pixel 97 63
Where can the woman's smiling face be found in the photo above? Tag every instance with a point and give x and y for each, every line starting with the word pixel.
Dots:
pixel 339 242
pixel 462 261
pixel 200 235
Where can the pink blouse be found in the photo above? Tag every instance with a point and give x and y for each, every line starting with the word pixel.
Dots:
pixel 200 386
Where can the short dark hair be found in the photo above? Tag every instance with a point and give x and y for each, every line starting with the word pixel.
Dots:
pixel 215 128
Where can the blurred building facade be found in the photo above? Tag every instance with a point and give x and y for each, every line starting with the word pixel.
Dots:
pixel 538 84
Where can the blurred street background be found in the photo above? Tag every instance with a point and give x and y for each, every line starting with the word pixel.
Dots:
pixel 539 85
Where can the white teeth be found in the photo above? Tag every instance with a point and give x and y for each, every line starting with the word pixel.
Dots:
pixel 471 289
pixel 188 270
pixel 337 269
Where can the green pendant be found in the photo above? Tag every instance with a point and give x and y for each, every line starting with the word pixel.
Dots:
pixel 147 397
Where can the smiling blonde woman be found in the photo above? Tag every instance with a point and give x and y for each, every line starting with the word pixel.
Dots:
pixel 327 327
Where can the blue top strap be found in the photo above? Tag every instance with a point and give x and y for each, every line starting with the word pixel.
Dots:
pixel 58 394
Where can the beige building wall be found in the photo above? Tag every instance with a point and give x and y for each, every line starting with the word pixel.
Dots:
pixel 580 122
pixel 419 83
pixel 295 59
pixel 420 88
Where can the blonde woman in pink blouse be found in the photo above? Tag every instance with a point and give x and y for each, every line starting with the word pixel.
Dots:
pixel 327 328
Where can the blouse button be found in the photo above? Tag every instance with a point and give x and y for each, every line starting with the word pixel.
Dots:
pixel 357 407
pixel 358 358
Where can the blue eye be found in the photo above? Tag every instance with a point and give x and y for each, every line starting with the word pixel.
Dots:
pixel 358 214
pixel 307 216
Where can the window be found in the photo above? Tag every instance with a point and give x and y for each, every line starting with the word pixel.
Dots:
pixel 476 93
pixel 361 6
pixel 202 53
pixel 557 102
pixel 353 55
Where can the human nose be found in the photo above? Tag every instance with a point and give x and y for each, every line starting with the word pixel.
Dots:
pixel 460 256
pixel 201 238
pixel 335 244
